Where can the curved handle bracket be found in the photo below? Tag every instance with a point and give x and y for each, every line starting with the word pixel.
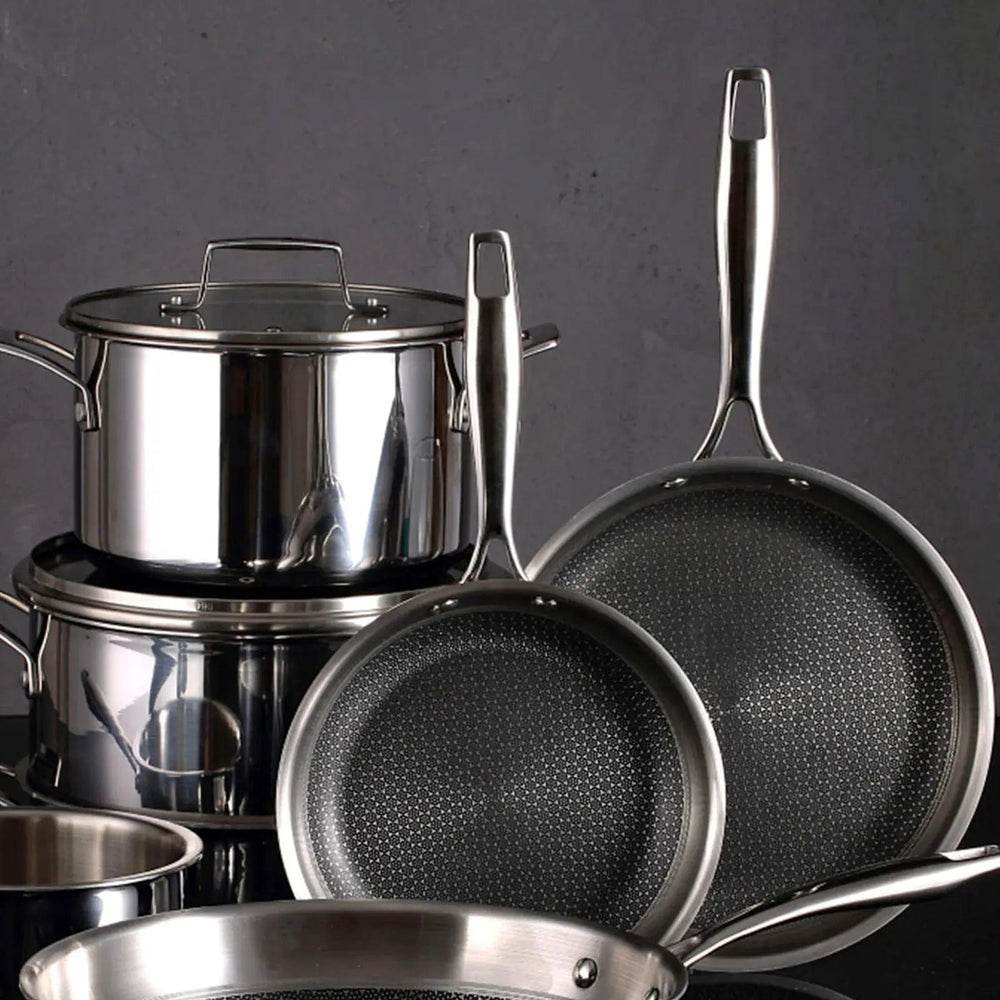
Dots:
pixel 31 677
pixel 88 409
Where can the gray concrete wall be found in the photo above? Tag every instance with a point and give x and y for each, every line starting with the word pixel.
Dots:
pixel 132 132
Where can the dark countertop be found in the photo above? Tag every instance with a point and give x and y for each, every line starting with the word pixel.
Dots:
pixel 942 948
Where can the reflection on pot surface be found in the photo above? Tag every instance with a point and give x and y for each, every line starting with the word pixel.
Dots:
pixel 185 756
pixel 113 726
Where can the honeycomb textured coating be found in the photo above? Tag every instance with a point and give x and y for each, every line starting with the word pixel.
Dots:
pixel 821 664
pixel 498 757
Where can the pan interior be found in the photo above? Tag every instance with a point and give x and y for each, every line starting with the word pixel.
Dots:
pixel 498 757
pixel 820 661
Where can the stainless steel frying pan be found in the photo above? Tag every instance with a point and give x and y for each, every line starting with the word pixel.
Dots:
pixel 394 950
pixel 840 661
pixel 503 742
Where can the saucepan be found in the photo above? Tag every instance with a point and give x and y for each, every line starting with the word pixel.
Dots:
pixel 67 870
pixel 385 947
pixel 150 695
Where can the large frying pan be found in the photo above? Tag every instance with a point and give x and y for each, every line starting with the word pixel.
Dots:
pixel 394 950
pixel 503 742
pixel 840 661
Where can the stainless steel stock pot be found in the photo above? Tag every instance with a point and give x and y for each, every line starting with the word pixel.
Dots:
pixel 168 699
pixel 302 430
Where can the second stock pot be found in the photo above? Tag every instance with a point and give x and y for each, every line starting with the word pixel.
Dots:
pixel 170 700
pixel 305 432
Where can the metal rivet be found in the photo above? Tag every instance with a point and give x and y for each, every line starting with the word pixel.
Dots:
pixel 671 483
pixel 24 679
pixel 444 605
pixel 272 329
pixel 79 411
pixel 585 973
pixel 175 320
pixel 801 484
pixel 175 300
pixel 371 302
pixel 545 602
pixel 246 579
pixel 653 994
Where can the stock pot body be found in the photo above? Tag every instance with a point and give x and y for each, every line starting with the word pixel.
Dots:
pixel 181 726
pixel 300 465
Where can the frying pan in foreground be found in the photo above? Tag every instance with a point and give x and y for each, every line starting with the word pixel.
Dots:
pixel 840 661
pixel 504 742
pixel 407 950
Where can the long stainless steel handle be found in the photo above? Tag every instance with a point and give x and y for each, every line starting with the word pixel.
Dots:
pixel 746 220
pixel 893 884
pixel 31 678
pixel 493 381
pixel 88 414
pixel 271 243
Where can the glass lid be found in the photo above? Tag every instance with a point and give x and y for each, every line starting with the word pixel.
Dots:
pixel 269 315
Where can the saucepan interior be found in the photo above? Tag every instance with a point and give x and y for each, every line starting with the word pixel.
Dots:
pixel 52 849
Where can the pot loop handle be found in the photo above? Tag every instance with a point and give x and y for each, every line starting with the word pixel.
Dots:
pixel 746 216
pixel 31 677
pixel 272 243
pixel 88 411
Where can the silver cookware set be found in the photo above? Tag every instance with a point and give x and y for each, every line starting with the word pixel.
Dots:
pixel 726 681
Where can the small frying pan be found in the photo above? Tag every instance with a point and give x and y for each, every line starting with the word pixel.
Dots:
pixel 504 742
pixel 381 950
pixel 838 657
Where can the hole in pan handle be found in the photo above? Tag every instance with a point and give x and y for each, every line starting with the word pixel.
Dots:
pixel 746 215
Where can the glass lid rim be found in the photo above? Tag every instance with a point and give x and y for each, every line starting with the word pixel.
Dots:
pixel 75 317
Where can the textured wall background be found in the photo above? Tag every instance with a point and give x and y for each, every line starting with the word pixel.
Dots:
pixel 131 133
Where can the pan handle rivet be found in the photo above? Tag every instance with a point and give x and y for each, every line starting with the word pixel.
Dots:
pixel 585 973
pixel 671 483
pixel 444 606
pixel 545 602
pixel 802 484
pixel 653 994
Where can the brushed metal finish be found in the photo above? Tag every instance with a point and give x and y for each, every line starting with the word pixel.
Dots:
pixel 48 850
pixel 64 871
pixel 263 948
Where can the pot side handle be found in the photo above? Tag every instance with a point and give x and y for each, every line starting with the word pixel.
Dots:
pixel 31 677
pixel 87 414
